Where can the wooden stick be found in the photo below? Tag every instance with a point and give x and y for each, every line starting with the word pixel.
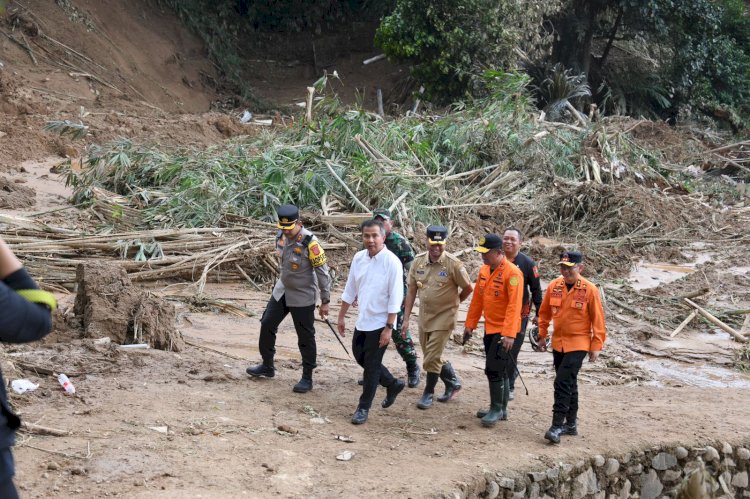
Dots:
pixel 398 201
pixel 209 349
pixel 43 430
pixel 716 321
pixel 381 111
pixel 684 323
pixel 247 277
pixel 378 57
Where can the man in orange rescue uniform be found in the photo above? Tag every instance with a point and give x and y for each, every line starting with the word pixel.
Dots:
pixel 499 295
pixel 573 305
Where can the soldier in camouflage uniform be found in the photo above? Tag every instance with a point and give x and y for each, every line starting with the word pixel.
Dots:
pixel 400 246
pixel 304 273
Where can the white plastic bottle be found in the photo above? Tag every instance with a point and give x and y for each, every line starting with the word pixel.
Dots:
pixel 66 384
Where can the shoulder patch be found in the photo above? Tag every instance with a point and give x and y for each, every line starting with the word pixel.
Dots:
pixel 316 254
pixel 513 281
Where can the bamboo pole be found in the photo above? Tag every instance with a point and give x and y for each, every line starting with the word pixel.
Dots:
pixel 716 321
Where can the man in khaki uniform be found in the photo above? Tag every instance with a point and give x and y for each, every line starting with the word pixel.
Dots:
pixel 441 281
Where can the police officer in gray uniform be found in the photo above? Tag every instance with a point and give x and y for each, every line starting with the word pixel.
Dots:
pixel 304 272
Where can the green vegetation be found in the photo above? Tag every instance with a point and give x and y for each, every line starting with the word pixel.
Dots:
pixel 485 152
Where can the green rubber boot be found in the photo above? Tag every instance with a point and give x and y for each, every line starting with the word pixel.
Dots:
pixel 496 408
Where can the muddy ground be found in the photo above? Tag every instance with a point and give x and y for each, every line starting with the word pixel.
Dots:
pixel 151 423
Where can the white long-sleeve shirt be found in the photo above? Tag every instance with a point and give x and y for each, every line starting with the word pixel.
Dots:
pixel 377 285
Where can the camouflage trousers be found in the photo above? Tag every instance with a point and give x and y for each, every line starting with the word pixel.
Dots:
pixel 404 346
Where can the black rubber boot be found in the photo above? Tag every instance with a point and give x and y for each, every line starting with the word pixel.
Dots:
pixel 452 383
pixel 261 371
pixel 305 384
pixel 504 400
pixel 413 372
pixel 496 408
pixel 554 432
pixel 429 389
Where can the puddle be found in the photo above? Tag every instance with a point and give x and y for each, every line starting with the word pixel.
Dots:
pixel 703 376
pixel 646 275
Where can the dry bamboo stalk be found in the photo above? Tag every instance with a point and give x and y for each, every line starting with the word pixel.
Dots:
pixel 716 321
pixel 43 430
pixel 684 323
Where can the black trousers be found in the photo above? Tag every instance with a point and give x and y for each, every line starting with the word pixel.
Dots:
pixel 497 359
pixel 567 365
pixel 304 324
pixel 370 356
pixel 512 372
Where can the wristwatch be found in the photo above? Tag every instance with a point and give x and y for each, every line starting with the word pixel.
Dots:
pixel 389 325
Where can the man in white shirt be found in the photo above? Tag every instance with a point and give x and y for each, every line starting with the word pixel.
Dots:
pixel 376 282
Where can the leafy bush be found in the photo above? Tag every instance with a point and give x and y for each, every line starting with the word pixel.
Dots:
pixel 450 43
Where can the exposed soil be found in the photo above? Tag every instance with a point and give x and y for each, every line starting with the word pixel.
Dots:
pixel 155 423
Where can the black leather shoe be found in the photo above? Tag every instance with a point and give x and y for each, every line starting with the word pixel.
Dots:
pixel 360 416
pixel 413 373
pixel 570 429
pixel 261 371
pixel 304 385
pixel 553 434
pixel 391 393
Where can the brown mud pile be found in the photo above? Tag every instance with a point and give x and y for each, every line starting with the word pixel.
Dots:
pixel 14 196
pixel 111 307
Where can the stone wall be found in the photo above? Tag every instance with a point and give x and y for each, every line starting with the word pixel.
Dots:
pixel 719 471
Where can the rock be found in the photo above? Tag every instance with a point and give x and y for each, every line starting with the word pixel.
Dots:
pixel 580 465
pixel 625 491
pixel 553 473
pixel 681 452
pixel 612 467
pixel 710 454
pixel 565 470
pixel 53 466
pixel 537 476
pixel 598 461
pixel 534 491
pixel 671 475
pixel 728 462
pixel 743 453
pixel 651 487
pixel 77 470
pixel 520 495
pixel 740 480
pixel 506 483
pixel 726 448
pixel 585 484
pixel 493 490
pixel 636 469
pixel 663 461
pixel 600 495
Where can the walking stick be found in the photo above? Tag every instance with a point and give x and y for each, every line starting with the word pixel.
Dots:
pixel 344 347
pixel 519 374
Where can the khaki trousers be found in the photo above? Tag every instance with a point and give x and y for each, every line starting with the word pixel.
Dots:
pixel 433 344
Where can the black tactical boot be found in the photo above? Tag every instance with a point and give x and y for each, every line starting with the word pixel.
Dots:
pixel 413 374
pixel 496 409
pixel 360 416
pixel 429 389
pixel 570 428
pixel 305 384
pixel 452 383
pixel 554 432
pixel 261 371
